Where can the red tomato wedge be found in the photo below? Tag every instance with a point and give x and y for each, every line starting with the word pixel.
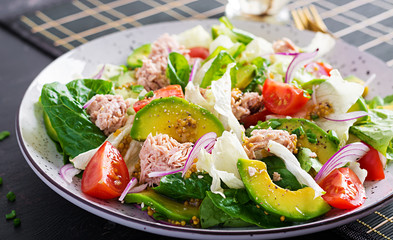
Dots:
pixel 343 189
pixel 373 164
pixel 171 90
pixel 199 52
pixel 283 98
pixel 252 120
pixel 106 175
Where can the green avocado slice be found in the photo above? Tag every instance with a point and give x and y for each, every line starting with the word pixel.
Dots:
pixel 163 206
pixel 181 120
pixel 299 205
pixel 309 135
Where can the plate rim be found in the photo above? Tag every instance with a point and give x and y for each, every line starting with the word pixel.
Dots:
pixel 169 230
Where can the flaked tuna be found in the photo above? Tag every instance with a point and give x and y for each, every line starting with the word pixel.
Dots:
pixel 108 112
pixel 161 153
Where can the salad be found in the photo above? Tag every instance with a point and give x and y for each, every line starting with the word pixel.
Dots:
pixel 222 129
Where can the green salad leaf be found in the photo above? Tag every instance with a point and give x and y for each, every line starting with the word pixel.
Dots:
pixel 377 131
pixel 178 70
pixel 238 205
pixel 63 105
pixel 218 68
pixel 177 187
pixel 213 216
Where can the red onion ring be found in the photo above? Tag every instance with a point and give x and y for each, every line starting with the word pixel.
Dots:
pixel 194 69
pixel 68 171
pixel 130 185
pixel 299 60
pixel 349 153
pixel 87 104
pixel 202 142
pixel 99 74
pixel 164 173
pixel 348 116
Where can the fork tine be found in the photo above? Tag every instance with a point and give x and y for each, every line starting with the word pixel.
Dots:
pixel 310 20
pixel 302 18
pixel 317 18
pixel 298 23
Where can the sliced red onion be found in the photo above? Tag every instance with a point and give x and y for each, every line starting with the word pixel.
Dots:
pixel 68 171
pixel 382 158
pixel 349 153
pixel 130 185
pixel 194 69
pixel 138 189
pixel 99 74
pixel 202 142
pixel 287 54
pixel 164 173
pixel 87 104
pixel 299 60
pixel 348 116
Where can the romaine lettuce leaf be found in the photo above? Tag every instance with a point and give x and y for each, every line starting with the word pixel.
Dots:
pixel 194 37
pixel 63 105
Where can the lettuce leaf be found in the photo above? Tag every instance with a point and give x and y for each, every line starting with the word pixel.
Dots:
pixel 218 68
pixel 238 205
pixel 177 187
pixel 377 131
pixel 178 70
pixel 194 37
pixel 63 105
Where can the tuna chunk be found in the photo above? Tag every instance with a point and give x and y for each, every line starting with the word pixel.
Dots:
pixel 256 145
pixel 285 45
pixel 161 153
pixel 245 104
pixel 108 112
pixel 152 73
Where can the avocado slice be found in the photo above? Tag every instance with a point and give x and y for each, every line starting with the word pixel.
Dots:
pixel 299 205
pixel 309 84
pixel 181 120
pixel 309 135
pixel 134 60
pixel 245 75
pixel 164 206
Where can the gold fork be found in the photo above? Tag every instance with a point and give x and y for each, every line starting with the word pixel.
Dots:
pixel 308 18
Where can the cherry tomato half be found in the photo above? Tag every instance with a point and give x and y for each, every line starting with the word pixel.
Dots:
pixel 282 98
pixel 373 164
pixel 343 189
pixel 106 175
pixel 171 90
pixel 199 52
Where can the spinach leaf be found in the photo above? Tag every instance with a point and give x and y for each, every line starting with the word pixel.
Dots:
pixel 63 104
pixel 178 70
pixel 177 187
pixel 377 131
pixel 288 180
pixel 218 68
pixel 211 216
pixel 237 204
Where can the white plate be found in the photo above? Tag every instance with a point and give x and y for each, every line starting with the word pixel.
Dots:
pixel 41 154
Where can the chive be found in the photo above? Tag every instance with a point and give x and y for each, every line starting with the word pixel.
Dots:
pixel 11 196
pixel 16 222
pixel 274 124
pixel 312 138
pixel 4 134
pixel 10 215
